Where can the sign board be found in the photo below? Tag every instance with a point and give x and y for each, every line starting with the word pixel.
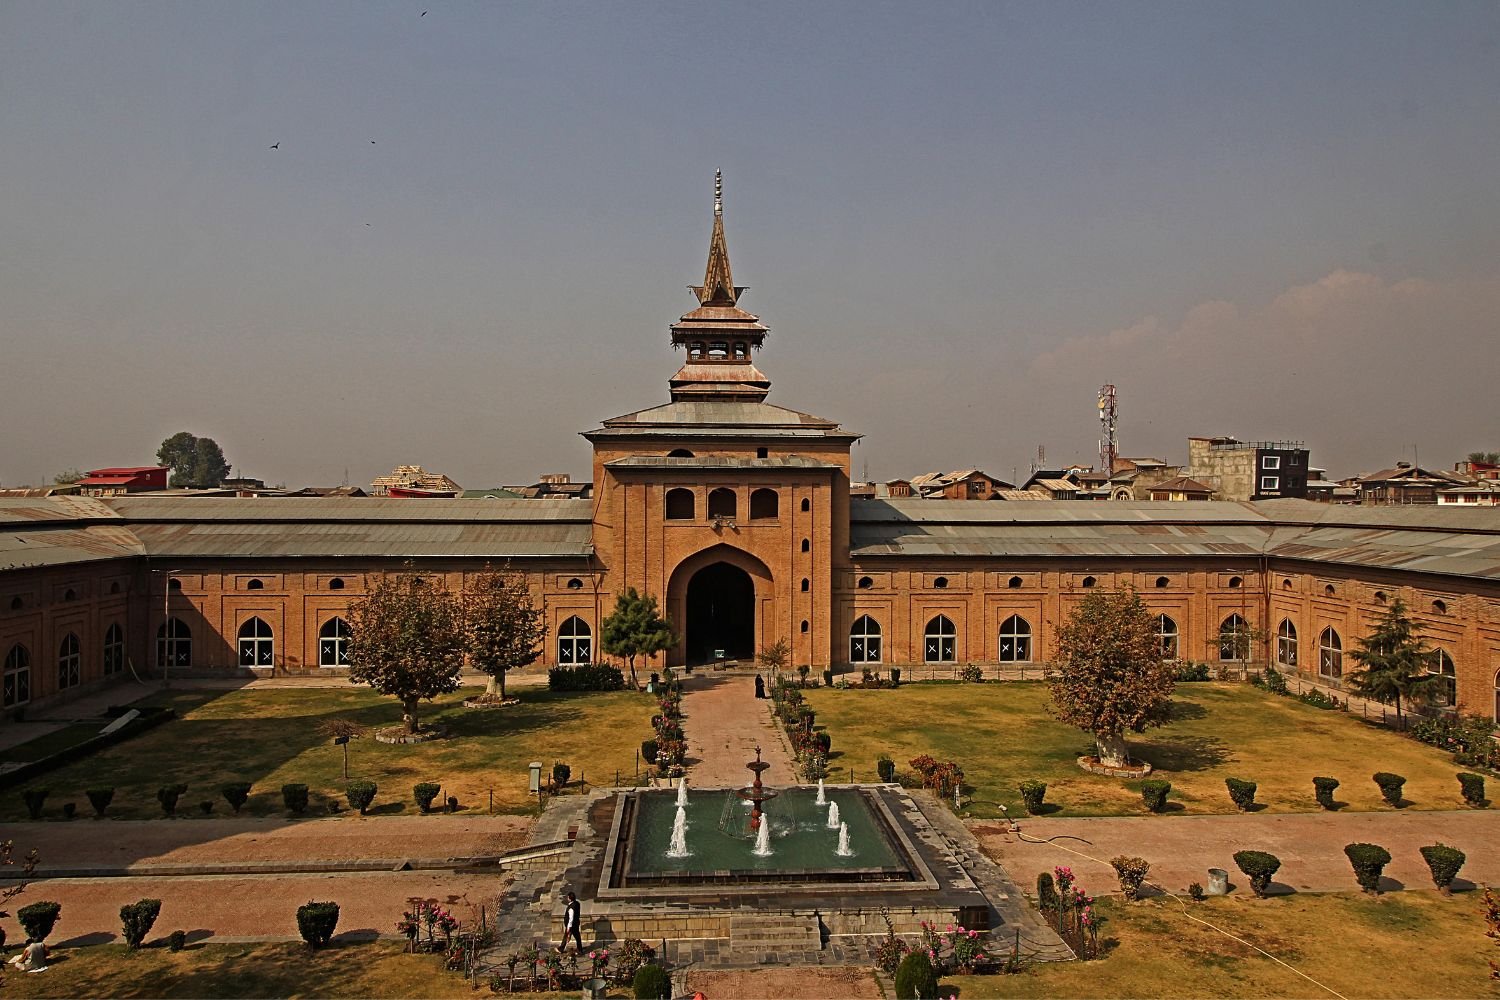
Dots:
pixel 718 654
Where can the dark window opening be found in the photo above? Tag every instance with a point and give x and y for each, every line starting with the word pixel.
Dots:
pixel 723 503
pixel 337 583
pixel 575 584
pixel 1089 581
pixel 680 505
pixel 1014 583
pixel 941 583
pixel 806 506
pixel 764 505
pixel 865 583
pixel 1162 582
pixel 679 453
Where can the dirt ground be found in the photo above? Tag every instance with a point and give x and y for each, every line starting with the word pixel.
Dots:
pixel 787 984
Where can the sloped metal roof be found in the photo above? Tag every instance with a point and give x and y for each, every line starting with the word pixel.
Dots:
pixel 400 540
pixel 59 546
pixel 333 510
pixel 719 462
pixel 34 510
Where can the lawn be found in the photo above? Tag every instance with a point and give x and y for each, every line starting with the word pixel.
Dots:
pixel 271 737
pixel 1002 734
pixel 1409 944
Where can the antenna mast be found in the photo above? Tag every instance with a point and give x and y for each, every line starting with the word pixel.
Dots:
pixel 1107 416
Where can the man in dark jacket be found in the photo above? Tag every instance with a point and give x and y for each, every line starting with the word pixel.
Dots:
pixel 572 917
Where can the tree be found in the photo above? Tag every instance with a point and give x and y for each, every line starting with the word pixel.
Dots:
pixel 194 461
pixel 635 629
pixel 406 640
pixel 1395 660
pixel 1485 457
pixel 1112 679
pixel 67 477
pixel 502 629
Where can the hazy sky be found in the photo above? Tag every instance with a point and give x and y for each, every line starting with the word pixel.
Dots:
pixel 958 220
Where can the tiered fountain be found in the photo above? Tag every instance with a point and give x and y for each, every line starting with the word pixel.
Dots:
pixel 756 794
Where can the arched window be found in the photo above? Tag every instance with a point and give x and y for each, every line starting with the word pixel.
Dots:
pixel 575 642
pixel 17 676
pixel 806 505
pixel 1440 607
pixel 174 584
pixel 575 584
pixel 864 640
pixel 1379 597
pixel 114 649
pixel 1089 581
pixel 764 505
pixel 681 505
pixel 70 594
pixel 679 453
pixel 1329 590
pixel 1014 583
pixel 257 644
pixel 69 662
pixel 865 583
pixel 1234 639
pixel 1235 582
pixel 1444 690
pixel 806 545
pixel 1286 643
pixel 1330 654
pixel 333 643
pixel 16 604
pixel 939 640
pixel 255 585
pixel 718 349
pixel 1162 582
pixel 337 583
pixel 1167 637
pixel 804 626
pixel 806 585
pixel 723 503
pixel 1286 585
pixel 1015 640
pixel 114 588
pixel 174 644
pixel 941 583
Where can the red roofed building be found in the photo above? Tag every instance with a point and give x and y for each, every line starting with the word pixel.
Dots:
pixel 113 482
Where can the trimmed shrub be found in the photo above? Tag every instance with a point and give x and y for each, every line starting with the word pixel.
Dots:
pixel 1032 793
pixel 177 940
pixel 69 809
pixel 100 798
pixel 1132 872
pixel 1323 789
pixel 1472 787
pixel 295 798
pixel 236 793
pixel 1258 867
pixel 1154 793
pixel 970 674
pixel 453 803
pixel 586 677
pixel 38 919
pixel 560 774
pixel 1443 862
pixel 828 677
pixel 1241 792
pixel 1192 672
pixel 34 797
pixel 1390 787
pixel 824 741
pixel 316 922
pixel 1046 893
pixel 360 794
pixel 886 768
pixel 648 751
pixel 1195 892
pixel 1274 681
pixel 652 983
pixel 916 979
pixel 424 792
pixel 137 919
pixel 1368 860
pixel 895 677
pixel 168 796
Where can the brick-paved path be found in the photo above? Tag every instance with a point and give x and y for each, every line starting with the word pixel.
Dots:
pixel 723 723
pixel 1181 849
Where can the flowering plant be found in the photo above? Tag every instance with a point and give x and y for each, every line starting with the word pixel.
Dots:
pixel 598 960
pixel 967 949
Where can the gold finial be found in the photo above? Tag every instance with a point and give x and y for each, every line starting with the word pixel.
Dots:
pixel 718 192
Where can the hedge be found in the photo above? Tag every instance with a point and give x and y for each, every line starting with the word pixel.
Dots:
pixel 586 677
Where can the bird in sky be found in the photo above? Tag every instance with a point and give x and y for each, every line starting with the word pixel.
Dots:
pixel 277 145
pixel 372 142
pixel 423 14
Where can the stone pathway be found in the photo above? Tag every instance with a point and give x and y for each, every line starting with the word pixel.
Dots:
pixel 723 723
pixel 1181 849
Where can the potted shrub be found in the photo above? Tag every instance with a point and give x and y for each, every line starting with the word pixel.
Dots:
pixel 560 774
pixel 1241 792
pixel 1258 867
pixel 648 751
pixel 1390 787
pixel 1472 787
pixel 1131 872
pixel 1368 861
pixel 1443 862
pixel 236 793
pixel 360 794
pixel 1323 789
pixel 168 796
pixel 828 677
pixel 100 798
pixel 38 919
pixel 424 792
pixel 1154 793
pixel 886 768
pixel 652 983
pixel 895 677
pixel 136 920
pixel 295 797
pixel 1032 793
pixel 316 922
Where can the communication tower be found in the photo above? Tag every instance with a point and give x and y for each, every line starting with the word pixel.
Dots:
pixel 1107 415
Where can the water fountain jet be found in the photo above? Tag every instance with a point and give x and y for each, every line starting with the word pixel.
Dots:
pixel 682 798
pixel 678 847
pixel 844 851
pixel 763 840
pixel 821 801
pixel 833 816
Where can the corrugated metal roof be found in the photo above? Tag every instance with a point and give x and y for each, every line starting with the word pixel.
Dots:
pixel 59 546
pixel 719 462
pixel 391 540
pixel 718 411
pixel 1019 540
pixel 331 510
pixel 1060 511
pixel 32 510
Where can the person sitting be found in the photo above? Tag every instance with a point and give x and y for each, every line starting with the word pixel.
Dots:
pixel 32 956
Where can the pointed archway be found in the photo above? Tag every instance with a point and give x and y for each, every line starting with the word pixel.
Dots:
pixel 720 619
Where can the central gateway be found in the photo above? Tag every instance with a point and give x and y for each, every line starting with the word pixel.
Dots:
pixel 720 615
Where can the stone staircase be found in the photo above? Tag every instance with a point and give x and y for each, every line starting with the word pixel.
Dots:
pixel 775 939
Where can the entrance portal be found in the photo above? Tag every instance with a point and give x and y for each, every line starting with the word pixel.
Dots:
pixel 720 614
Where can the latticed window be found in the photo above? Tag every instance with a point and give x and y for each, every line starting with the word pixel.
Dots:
pixel 939 641
pixel 114 650
pixel 864 640
pixel 1234 638
pixel 1015 640
pixel 69 662
pixel 333 643
pixel 17 676
pixel 1286 643
pixel 1330 654
pixel 575 643
pixel 1443 691
pixel 174 643
pixel 1167 637
pixel 257 644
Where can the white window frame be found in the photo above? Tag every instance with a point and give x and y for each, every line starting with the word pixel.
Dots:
pixel 114 649
pixel 939 646
pixel 575 642
pixel 1268 483
pixel 1286 643
pixel 69 662
pixel 333 637
pixel 1016 632
pixel 1166 629
pixel 1330 654
pixel 865 643
pixel 174 644
pixel 17 675
pixel 1270 461
pixel 256 648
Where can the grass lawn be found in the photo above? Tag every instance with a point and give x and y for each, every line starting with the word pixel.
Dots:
pixel 210 970
pixel 1002 734
pixel 273 737
pixel 53 742
pixel 1407 944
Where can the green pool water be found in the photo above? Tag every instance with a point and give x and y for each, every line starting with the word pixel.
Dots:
pixel 718 841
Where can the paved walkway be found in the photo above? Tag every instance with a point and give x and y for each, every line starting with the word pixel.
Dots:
pixel 723 724
pixel 1181 849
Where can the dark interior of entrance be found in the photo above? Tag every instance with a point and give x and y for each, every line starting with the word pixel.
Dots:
pixel 720 614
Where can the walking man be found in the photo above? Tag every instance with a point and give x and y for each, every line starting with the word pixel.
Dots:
pixel 571 919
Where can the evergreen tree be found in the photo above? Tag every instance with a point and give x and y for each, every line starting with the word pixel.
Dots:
pixel 194 461
pixel 1395 659
pixel 502 628
pixel 1112 679
pixel 406 640
pixel 635 629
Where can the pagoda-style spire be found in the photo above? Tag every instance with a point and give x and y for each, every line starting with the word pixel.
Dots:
pixel 718 287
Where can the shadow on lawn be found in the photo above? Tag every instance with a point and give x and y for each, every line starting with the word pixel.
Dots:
pixel 1185 753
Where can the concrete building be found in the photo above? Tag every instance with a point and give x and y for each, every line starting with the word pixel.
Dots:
pixel 1259 470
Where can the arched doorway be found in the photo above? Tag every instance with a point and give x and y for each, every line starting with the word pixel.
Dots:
pixel 720 614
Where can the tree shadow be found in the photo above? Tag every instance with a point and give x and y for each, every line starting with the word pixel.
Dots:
pixel 394 808
pixel 1047 809
pixel 86 940
pixel 1388 884
pixel 1186 753
pixel 1188 711
pixel 1462 885
pixel 1280 889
